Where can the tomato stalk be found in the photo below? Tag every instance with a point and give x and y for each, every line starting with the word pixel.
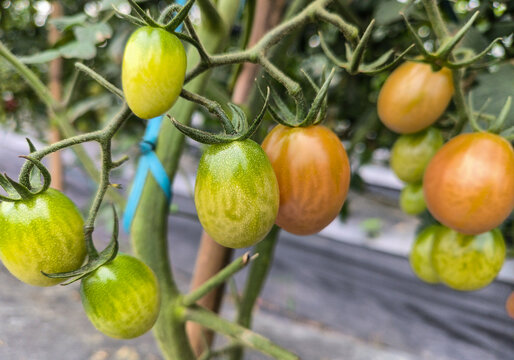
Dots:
pixel 218 279
pixel 254 284
pixel 239 333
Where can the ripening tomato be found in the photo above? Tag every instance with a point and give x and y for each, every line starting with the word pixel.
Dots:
pixel 467 262
pixel 420 257
pixel 313 174
pixel 236 193
pixel 153 71
pixel 412 201
pixel 414 97
pixel 509 305
pixel 469 183
pixel 412 153
pixel 121 298
pixel 43 233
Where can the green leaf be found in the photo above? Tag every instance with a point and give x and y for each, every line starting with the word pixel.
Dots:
pixel 41 57
pixel 78 50
pixel 107 4
pixel 387 12
pixel 496 86
pixel 65 22
pixel 88 104
pixel 93 33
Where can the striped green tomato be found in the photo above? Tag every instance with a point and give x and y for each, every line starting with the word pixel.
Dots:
pixel 122 297
pixel 43 233
pixel 467 262
pixel 236 193
pixel 153 71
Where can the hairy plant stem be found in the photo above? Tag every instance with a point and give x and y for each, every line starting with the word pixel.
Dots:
pixel 236 332
pixel 257 54
pixel 254 283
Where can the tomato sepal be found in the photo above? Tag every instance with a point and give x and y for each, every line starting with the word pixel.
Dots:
pixel 94 262
pixel 235 130
pixel 18 191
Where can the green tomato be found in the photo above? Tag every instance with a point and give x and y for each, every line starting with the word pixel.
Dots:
pixel 43 233
pixel 236 193
pixel 468 262
pixel 412 201
pixel 420 257
pixel 122 297
pixel 412 153
pixel 153 71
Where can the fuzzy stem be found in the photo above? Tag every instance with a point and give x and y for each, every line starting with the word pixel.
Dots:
pixel 217 279
pixel 254 283
pixel 237 332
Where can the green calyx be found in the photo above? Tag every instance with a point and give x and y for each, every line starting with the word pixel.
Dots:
pixel 303 117
pixel 494 124
pixel 24 190
pixel 144 18
pixel 235 129
pixel 94 262
pixel 354 57
pixel 445 56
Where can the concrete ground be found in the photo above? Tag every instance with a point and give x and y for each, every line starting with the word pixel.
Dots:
pixel 337 295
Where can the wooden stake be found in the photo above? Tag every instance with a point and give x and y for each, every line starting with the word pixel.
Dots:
pixel 55 86
pixel 212 257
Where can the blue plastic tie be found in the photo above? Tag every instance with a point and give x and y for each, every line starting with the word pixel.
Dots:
pixel 147 162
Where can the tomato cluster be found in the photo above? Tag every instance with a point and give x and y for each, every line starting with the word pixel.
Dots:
pixel 44 234
pixel 462 262
pixel 466 184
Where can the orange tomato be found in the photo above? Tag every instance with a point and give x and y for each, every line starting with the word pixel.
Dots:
pixel 469 183
pixel 313 174
pixel 414 97
pixel 509 305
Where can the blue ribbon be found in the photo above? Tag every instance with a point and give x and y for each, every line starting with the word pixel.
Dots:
pixel 148 162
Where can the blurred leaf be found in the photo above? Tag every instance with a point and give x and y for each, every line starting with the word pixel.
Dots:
pixel 107 4
pixel 371 226
pixel 78 50
pixel 65 22
pixel 94 33
pixel 388 11
pixel 497 86
pixel 90 103
pixel 41 57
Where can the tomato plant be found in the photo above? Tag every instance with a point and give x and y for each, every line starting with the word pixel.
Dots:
pixel 412 153
pixel 42 233
pixel 153 71
pixel 420 257
pixel 313 174
pixel 412 201
pixel 467 262
pixel 469 183
pixel 236 193
pixel 122 297
pixel 414 97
